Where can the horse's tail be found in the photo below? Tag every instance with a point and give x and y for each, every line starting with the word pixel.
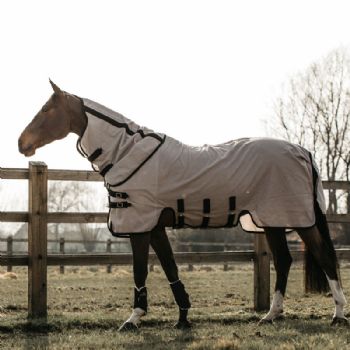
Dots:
pixel 315 278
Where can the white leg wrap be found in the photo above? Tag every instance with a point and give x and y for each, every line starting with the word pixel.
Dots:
pixel 136 315
pixel 276 307
pixel 338 297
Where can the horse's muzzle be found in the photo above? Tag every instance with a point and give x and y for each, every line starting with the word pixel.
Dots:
pixel 28 150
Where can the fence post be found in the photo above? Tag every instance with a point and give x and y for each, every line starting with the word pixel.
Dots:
pixel 37 241
pixel 261 273
pixel 190 266
pixel 62 252
pixel 151 266
pixel 9 250
pixel 225 264
pixel 109 250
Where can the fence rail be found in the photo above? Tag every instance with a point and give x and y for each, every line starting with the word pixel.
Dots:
pixel 58 217
pixel 37 258
pixel 90 217
pixel 185 244
pixel 189 246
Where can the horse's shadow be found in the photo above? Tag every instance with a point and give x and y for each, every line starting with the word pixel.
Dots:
pixel 35 341
pixel 181 335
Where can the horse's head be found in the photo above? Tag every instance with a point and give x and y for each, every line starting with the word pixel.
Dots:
pixel 52 122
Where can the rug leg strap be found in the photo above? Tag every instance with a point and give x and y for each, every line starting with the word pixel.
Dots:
pixel 181 297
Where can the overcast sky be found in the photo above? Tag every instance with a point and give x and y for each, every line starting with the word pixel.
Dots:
pixel 200 71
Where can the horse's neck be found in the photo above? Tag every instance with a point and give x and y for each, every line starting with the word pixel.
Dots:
pixel 78 120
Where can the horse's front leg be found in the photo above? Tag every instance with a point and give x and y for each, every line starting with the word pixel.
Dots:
pixel 161 246
pixel 140 248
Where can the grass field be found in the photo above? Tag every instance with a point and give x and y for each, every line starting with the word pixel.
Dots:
pixel 87 305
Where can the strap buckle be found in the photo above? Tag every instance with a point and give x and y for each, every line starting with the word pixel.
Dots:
pixel 115 194
pixel 119 205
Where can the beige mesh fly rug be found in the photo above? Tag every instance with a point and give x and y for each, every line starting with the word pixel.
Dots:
pixel 273 181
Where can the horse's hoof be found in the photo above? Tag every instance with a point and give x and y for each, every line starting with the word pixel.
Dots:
pixel 339 321
pixel 183 325
pixel 128 326
pixel 264 321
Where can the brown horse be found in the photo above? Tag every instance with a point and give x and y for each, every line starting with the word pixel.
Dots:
pixel 64 113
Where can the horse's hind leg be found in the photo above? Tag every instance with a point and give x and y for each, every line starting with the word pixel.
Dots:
pixel 326 259
pixel 282 259
pixel 161 245
pixel 140 248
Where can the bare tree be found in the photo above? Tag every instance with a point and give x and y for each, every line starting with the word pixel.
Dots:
pixel 11 199
pixel 75 196
pixel 314 111
pixel 64 197
pixel 90 233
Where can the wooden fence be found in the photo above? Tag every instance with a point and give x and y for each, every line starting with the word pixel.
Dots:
pixel 38 217
pixel 108 244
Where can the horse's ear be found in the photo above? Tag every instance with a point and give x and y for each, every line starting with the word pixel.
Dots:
pixel 55 88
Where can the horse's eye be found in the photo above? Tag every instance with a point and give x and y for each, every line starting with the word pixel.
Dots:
pixel 45 108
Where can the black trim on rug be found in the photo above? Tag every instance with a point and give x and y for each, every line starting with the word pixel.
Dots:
pixel 120 125
pixel 106 169
pixel 94 155
pixel 138 168
pixel 113 122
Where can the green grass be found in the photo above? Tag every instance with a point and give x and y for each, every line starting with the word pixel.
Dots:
pixel 86 307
